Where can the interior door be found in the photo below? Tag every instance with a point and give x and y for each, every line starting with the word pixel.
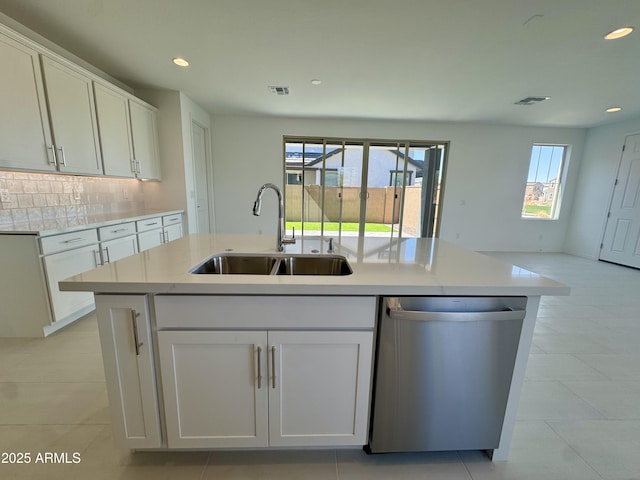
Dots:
pixel 198 138
pixel 621 242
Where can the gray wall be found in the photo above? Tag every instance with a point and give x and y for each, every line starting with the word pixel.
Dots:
pixel 486 175
pixel 601 158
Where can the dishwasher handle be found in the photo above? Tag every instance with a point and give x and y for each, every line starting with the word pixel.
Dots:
pixel 455 316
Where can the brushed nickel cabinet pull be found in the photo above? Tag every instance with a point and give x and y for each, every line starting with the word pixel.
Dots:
pixel 53 155
pixel 134 322
pixel 62 156
pixel 259 367
pixel 273 367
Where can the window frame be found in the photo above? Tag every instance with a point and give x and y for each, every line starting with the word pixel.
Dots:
pixel 397 175
pixel 431 217
pixel 555 195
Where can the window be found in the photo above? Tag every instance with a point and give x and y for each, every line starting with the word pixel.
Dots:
pixel 332 178
pixel 543 191
pixel 395 178
pixel 350 187
pixel 294 178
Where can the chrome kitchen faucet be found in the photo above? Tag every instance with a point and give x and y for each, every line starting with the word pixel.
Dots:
pixel 281 240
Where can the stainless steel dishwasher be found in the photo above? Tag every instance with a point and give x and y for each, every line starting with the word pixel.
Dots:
pixel 443 372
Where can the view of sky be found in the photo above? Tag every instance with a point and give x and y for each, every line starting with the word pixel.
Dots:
pixel 546 161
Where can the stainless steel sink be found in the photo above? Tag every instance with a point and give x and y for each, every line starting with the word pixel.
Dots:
pixel 246 264
pixel 230 264
pixel 314 265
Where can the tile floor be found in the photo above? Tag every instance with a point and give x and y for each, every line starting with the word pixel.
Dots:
pixel 579 417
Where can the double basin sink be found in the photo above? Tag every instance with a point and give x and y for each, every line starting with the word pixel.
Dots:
pixel 245 264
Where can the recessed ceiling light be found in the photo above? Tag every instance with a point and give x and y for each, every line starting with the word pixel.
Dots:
pixel 316 81
pixel 613 109
pixel 618 33
pixel 181 62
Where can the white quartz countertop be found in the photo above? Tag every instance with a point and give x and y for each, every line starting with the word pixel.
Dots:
pixel 73 224
pixel 380 267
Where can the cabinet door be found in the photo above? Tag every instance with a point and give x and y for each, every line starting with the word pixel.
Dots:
pixel 144 131
pixel 73 118
pixel 24 126
pixel 66 264
pixel 215 388
pixel 320 392
pixel 150 239
pixel 112 109
pixel 114 250
pixel 125 337
pixel 172 232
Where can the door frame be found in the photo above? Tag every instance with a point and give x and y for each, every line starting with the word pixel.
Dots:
pixel 208 170
pixel 612 189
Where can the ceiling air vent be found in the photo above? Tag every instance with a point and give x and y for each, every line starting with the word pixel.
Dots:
pixel 279 90
pixel 531 100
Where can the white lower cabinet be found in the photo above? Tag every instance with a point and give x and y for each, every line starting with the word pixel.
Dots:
pixel 150 239
pixel 66 264
pixel 228 389
pixel 113 250
pixel 127 350
pixel 172 232
pixel 319 387
pixel 156 231
pixel 212 395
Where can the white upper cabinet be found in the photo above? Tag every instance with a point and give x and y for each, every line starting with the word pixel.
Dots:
pixel 24 126
pixel 58 117
pixel 73 118
pixel 144 130
pixel 112 109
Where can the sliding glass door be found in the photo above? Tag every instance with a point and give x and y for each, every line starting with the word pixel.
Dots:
pixel 346 187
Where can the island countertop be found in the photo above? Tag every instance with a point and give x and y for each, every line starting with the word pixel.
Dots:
pixel 381 266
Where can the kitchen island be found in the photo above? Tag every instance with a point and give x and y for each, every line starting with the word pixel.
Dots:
pixel 252 361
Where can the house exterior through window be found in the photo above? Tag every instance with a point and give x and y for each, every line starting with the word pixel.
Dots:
pixel 363 187
pixel 544 181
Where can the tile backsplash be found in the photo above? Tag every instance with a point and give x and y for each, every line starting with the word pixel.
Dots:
pixel 40 200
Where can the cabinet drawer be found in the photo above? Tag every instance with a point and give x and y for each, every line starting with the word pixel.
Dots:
pixel 148 224
pixel 172 219
pixel 67 241
pixel 117 231
pixel 189 311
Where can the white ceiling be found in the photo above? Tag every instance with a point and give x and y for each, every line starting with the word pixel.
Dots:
pixel 435 60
